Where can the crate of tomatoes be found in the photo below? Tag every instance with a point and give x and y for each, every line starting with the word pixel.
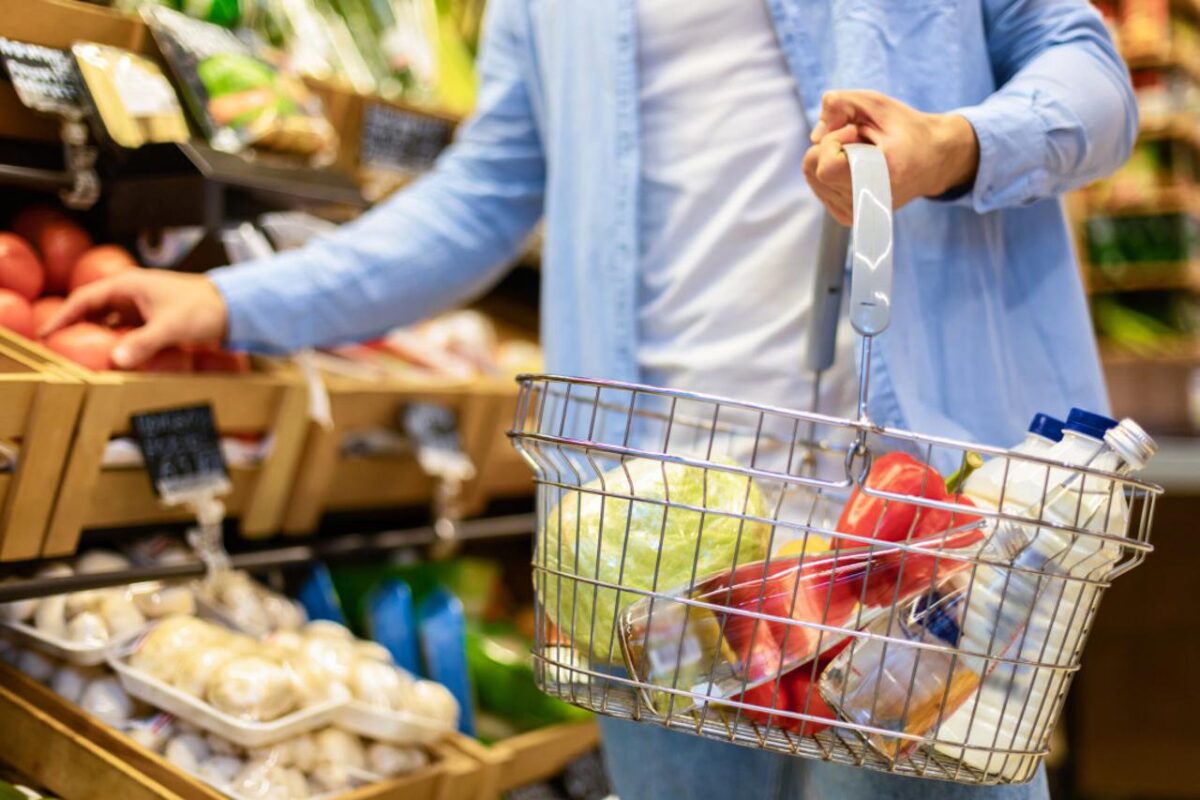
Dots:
pixel 260 408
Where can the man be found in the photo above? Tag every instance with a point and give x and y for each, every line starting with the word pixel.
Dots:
pixel 663 142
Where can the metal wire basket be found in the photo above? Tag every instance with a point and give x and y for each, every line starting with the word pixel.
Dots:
pixel 701 564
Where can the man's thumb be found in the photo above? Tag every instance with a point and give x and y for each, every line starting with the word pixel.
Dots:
pixel 139 345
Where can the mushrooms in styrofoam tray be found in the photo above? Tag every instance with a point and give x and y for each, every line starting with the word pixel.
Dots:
pixel 238 601
pixel 328 761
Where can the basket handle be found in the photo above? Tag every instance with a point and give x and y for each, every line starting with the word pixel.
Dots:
pixel 870 240
pixel 870 307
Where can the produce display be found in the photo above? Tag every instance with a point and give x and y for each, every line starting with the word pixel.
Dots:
pixel 132 97
pixel 455 346
pixel 45 257
pixel 238 99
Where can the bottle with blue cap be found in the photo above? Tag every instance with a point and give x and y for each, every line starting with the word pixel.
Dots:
pixel 985 484
pixel 1038 611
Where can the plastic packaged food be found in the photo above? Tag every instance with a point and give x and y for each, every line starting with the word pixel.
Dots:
pixel 133 99
pixel 974 617
pixel 238 99
pixel 237 601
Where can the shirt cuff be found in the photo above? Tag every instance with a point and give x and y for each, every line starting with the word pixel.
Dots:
pixel 251 306
pixel 1012 141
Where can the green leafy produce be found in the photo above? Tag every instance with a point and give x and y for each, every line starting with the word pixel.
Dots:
pixel 226 73
pixel 692 543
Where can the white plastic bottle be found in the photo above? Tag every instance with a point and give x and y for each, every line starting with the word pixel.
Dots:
pixel 985 484
pixel 1013 702
pixel 992 612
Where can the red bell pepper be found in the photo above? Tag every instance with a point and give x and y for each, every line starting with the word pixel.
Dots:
pixel 892 520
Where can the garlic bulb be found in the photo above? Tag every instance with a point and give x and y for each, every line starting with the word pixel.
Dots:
pixel 70 681
pixel 389 760
pixel 374 651
pixel 331 777
pixel 341 747
pixel 221 770
pixel 252 688
pixel 431 699
pixel 324 629
pixel 380 685
pixel 187 751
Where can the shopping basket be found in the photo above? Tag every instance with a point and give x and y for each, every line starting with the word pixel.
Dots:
pixel 657 601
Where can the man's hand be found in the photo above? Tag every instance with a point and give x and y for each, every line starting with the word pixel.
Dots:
pixel 927 154
pixel 172 308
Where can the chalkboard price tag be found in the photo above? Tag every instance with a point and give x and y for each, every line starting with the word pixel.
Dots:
pixel 433 431
pixel 182 451
pixel 393 138
pixel 45 79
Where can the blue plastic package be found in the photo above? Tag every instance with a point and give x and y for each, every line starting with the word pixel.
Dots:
pixel 392 621
pixel 319 598
pixel 443 646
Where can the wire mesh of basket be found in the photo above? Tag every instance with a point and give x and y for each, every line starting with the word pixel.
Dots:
pixel 809 584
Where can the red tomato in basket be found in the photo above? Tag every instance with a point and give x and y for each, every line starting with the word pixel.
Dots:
pixel 62 243
pixel 29 222
pixel 171 359
pixel 213 358
pixel 16 314
pixel 44 308
pixel 86 344
pixel 20 269
pixel 764 696
pixel 99 263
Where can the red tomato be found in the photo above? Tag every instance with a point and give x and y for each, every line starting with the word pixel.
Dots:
pixel 44 308
pixel 765 696
pixel 16 314
pixel 100 262
pixel 211 358
pixel 19 267
pixel 28 224
pixel 86 344
pixel 172 359
pixel 61 243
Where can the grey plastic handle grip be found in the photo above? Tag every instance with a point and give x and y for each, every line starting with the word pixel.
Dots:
pixel 870 240
pixel 829 280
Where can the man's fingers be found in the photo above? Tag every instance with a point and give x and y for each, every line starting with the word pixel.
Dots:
pixel 852 107
pixel 81 302
pixel 141 343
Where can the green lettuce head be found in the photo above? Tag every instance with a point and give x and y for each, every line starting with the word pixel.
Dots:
pixel 576 543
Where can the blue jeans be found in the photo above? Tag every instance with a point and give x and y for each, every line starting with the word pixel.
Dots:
pixel 647 762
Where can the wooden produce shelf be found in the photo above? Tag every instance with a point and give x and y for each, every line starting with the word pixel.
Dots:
pixel 1144 277
pixel 1178 127
pixel 269 402
pixel 1158 201
pixel 71 753
pixel 528 757
pixel 39 406
pixel 503 473
pixel 329 480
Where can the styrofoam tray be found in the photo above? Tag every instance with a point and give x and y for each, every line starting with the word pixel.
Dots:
pixel 201 714
pixel 394 727
pixel 82 655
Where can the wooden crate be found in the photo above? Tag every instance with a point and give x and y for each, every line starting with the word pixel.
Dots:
pixel 528 757
pixel 71 753
pixel 270 402
pixel 503 473
pixel 329 481
pixel 39 405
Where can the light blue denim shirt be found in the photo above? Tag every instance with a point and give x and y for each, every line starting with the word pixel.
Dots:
pixel 990 322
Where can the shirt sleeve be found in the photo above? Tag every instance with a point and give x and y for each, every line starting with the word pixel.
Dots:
pixel 1065 112
pixel 433 245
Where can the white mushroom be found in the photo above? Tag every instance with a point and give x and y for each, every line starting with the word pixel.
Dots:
pixel 374 651
pixel 165 602
pixel 221 769
pixel 324 629
pixel 70 681
pixel 388 760
pixel 305 753
pixel 87 629
pixel 94 561
pixel 187 751
pixel 253 688
pixel 51 616
pixel 341 747
pixel 331 777
pixel 380 685
pixel 121 615
pixel 37 666
pixel 106 700
pixel 431 699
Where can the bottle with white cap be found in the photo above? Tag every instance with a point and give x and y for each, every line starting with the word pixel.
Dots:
pixel 1013 701
pixel 1038 611
pixel 985 484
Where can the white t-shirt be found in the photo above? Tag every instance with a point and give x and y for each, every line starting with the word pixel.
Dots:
pixel 729 226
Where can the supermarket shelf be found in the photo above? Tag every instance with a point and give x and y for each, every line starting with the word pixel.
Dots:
pixel 341 548
pixel 1179 127
pixel 1182 352
pixel 1159 200
pixel 1143 277
pixel 1163 56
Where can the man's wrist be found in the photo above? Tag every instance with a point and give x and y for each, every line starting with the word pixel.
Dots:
pixel 957 152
